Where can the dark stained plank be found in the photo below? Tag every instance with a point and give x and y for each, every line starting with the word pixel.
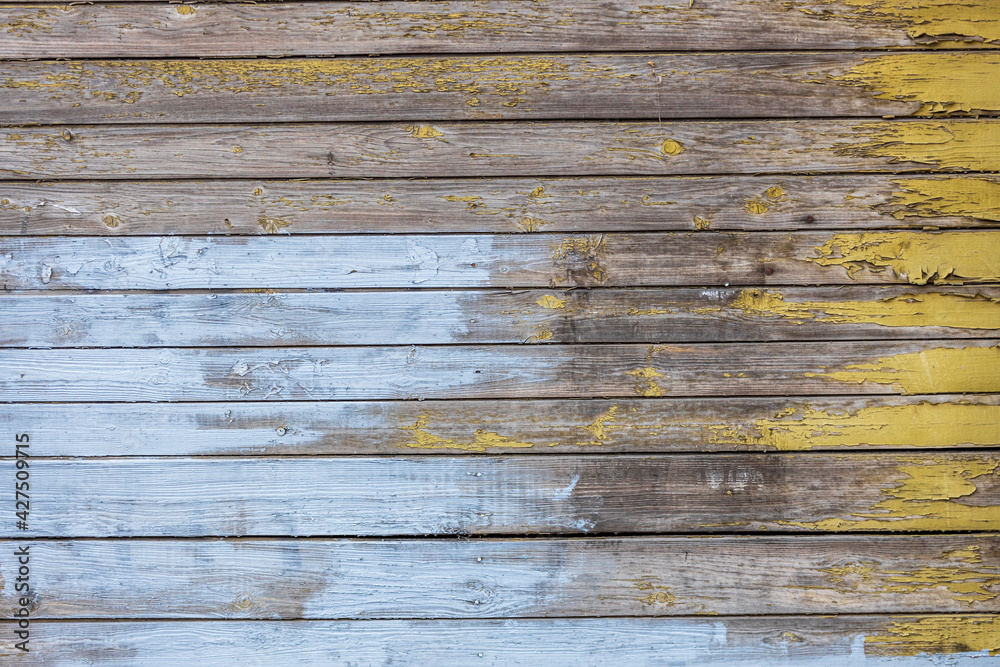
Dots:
pixel 501 371
pixel 744 203
pixel 545 426
pixel 362 28
pixel 394 150
pixel 655 576
pixel 875 640
pixel 516 87
pixel 269 318
pixel 509 260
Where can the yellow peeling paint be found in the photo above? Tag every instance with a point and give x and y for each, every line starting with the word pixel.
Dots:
pixel 775 192
pixel 756 207
pixel 482 440
pixel 701 224
pixel 111 220
pixel 550 301
pixel 272 225
pixel 671 147
pixel 930 21
pixel 423 132
pixel 646 384
pixel 937 634
pixel 930 496
pixel 186 10
pixel 973 145
pixel 967 197
pixel 924 309
pixel 945 258
pixel 937 370
pixel 657 593
pixel 598 427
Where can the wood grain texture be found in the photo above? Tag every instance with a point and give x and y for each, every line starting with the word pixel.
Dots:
pixel 590 426
pixel 656 576
pixel 966 639
pixel 502 371
pixel 269 318
pixel 745 203
pixel 517 87
pixel 156 29
pixel 309 496
pixel 510 260
pixel 440 150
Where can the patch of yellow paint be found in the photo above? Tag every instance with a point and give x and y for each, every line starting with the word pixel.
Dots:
pixel 963 145
pixel 257 192
pixel 945 258
pixel 937 635
pixel 923 309
pixel 701 224
pixel 272 225
pixel 538 193
pixel 186 10
pixel 237 149
pixel 423 132
pixel 929 497
pixel 551 301
pixel 528 224
pixel 756 206
pixel 598 427
pixel 482 440
pixel 937 370
pixel 658 594
pixel 111 220
pixel 671 147
pixel 775 192
pixel 932 21
pixel 966 197
pixel 646 384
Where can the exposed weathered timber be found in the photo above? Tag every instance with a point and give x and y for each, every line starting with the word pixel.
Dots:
pixel 269 318
pixel 758 641
pixel 563 495
pixel 510 260
pixel 594 426
pixel 496 26
pixel 388 150
pixel 654 576
pixel 517 87
pixel 500 371
pixel 745 203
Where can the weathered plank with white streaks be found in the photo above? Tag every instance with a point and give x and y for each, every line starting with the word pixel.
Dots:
pixel 588 426
pixel 611 315
pixel 500 371
pixel 521 87
pixel 757 641
pixel 563 495
pixel 509 260
pixel 745 203
pixel 388 150
pixel 654 576
pixel 496 26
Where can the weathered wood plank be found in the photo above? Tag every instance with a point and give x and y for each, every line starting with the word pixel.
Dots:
pixel 593 426
pixel 391 150
pixel 502 371
pixel 330 579
pixel 610 315
pixel 521 87
pixel 562 495
pixel 509 260
pixel 802 641
pixel 363 28
pixel 746 203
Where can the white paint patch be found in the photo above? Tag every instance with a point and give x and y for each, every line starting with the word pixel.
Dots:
pixel 563 494
pixel 425 262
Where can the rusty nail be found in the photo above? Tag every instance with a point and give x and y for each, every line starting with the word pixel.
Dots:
pixel 768 270
pixel 810 219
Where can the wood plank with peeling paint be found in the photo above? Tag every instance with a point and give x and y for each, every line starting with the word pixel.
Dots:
pixel 272 318
pixel 754 641
pixel 472 149
pixel 500 371
pixel 155 29
pixel 652 259
pixel 496 87
pixel 541 426
pixel 654 576
pixel 743 203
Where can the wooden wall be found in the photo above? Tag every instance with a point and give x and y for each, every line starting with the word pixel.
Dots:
pixel 502 331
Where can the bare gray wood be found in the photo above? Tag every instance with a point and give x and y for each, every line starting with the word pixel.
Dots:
pixel 440 150
pixel 501 371
pixel 155 29
pixel 544 426
pixel 744 203
pixel 655 576
pixel 269 318
pixel 517 87
pixel 511 260
pixel 808 641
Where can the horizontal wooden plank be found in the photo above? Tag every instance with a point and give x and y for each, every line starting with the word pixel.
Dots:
pixel 390 150
pixel 655 576
pixel 362 28
pixel 544 426
pixel 503 371
pixel 445 495
pixel 807 641
pixel 745 203
pixel 521 87
pixel 267 318
pixel 508 260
